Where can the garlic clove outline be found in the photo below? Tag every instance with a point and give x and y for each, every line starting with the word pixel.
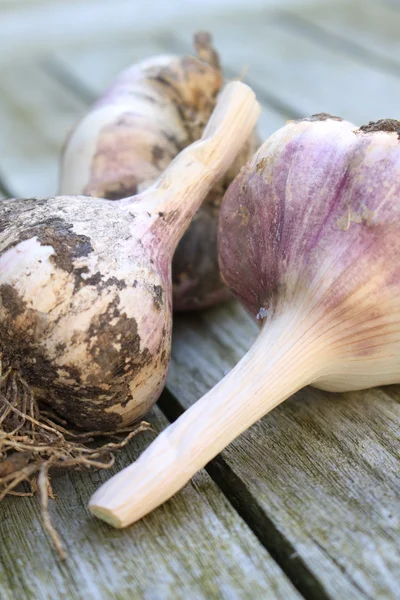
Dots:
pixel 310 242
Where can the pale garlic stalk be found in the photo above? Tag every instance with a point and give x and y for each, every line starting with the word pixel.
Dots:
pixel 309 242
pixel 85 283
pixel 151 112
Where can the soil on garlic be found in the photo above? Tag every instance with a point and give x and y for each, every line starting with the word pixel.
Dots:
pixel 96 349
pixel 85 284
pixel 33 439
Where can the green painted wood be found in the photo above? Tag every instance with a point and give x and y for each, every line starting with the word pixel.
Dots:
pixel 324 467
pixel 196 546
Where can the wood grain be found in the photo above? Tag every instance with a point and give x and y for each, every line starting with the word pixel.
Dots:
pixel 367 29
pixel 196 546
pixel 324 467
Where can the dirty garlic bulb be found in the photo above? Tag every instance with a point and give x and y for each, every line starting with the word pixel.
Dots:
pixel 150 113
pixel 85 283
pixel 309 242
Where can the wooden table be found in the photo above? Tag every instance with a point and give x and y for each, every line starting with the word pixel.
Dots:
pixel 305 503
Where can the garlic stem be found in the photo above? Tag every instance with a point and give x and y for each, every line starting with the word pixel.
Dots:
pixel 246 394
pixel 183 186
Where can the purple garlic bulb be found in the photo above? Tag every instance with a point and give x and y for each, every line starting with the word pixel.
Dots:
pixel 309 242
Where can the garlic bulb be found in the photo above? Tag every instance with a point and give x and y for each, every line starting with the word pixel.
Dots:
pixel 309 242
pixel 150 113
pixel 85 284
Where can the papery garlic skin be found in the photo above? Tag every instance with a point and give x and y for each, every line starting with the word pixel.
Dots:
pixel 89 328
pixel 85 283
pixel 313 220
pixel 135 129
pixel 150 113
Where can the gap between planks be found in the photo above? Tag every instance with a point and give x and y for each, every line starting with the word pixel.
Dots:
pixel 5 191
pixel 246 505
pixel 195 546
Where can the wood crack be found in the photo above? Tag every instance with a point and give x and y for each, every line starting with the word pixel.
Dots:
pixel 341 568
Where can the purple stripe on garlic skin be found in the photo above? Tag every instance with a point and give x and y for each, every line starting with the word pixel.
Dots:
pixel 309 241
pixel 318 210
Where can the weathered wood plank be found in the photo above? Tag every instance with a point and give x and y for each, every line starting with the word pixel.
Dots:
pixel 194 547
pixel 35 117
pixel 53 24
pixel 300 70
pixel 365 28
pixel 324 467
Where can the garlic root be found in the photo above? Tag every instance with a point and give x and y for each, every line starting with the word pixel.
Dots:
pixel 328 294
pixel 32 441
pixel 151 112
